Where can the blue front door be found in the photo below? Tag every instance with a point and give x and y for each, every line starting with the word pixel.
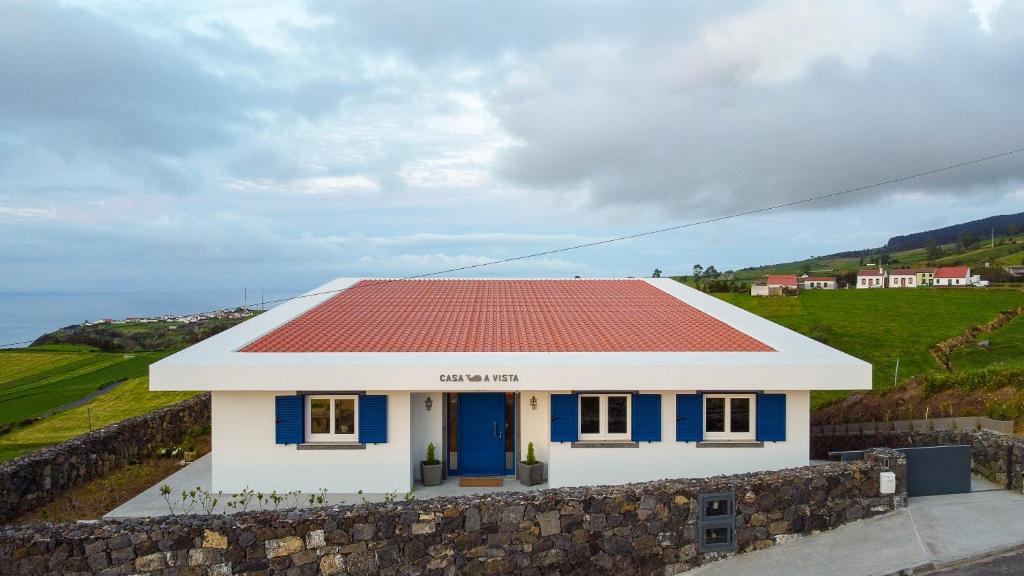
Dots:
pixel 482 434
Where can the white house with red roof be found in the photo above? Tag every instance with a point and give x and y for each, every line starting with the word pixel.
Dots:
pixel 817 282
pixel 903 278
pixel 953 276
pixel 871 278
pixel 611 380
pixel 783 281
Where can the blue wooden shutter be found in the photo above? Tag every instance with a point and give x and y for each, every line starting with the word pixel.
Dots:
pixel 646 417
pixel 564 417
pixel 689 417
pixel 771 417
pixel 288 422
pixel 373 419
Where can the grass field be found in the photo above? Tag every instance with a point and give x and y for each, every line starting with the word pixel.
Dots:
pixel 881 326
pixel 131 398
pixel 35 382
pixel 1006 349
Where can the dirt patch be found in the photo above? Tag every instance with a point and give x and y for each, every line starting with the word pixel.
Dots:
pixel 909 402
pixel 92 500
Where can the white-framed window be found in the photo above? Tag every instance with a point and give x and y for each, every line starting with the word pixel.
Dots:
pixel 605 416
pixel 332 418
pixel 729 416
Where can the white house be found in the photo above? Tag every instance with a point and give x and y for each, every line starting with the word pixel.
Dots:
pixel 817 282
pixel 611 380
pixel 903 278
pixel 871 278
pixel 953 276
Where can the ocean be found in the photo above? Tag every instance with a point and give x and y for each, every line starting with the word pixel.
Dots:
pixel 24 316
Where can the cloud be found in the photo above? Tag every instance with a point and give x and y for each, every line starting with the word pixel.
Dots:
pixel 220 143
pixel 776 103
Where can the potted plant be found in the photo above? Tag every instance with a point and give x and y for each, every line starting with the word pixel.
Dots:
pixel 430 469
pixel 188 448
pixel 531 472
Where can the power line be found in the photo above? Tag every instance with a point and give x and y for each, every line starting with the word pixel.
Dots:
pixel 648 232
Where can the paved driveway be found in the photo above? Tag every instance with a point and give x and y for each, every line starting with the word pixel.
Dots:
pixel 197 474
pixel 932 529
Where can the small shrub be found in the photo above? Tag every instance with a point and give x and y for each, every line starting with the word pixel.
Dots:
pixel 531 458
pixel 431 454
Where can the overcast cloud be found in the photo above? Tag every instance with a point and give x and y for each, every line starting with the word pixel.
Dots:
pixel 205 145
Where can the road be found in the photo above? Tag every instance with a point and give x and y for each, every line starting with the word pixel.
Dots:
pixel 1010 563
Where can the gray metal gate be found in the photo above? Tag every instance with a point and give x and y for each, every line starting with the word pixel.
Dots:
pixel 931 470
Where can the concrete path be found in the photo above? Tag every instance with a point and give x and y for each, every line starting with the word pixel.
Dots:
pixel 151 503
pixel 932 530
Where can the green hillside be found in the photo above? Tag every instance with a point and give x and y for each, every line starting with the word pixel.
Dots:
pixel 881 326
pixel 131 398
pixel 34 382
pixel 1008 250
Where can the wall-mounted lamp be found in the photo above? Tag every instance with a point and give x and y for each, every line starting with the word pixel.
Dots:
pixel 428 403
pixel 533 402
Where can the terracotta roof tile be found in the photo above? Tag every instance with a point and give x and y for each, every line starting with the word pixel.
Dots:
pixel 782 280
pixel 504 316
pixel 952 272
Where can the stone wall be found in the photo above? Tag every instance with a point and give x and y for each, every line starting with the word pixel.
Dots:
pixel 37 478
pixel 991 452
pixel 648 528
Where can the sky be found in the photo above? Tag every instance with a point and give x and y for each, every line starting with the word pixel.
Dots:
pixel 204 145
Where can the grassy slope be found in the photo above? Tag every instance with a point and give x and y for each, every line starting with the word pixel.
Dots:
pixel 42 381
pixel 1007 349
pixel 129 399
pixel 1002 254
pixel 879 326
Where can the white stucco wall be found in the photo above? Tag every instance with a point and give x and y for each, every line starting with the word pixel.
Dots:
pixel 569 466
pixel 245 455
pixel 535 425
pixel 426 427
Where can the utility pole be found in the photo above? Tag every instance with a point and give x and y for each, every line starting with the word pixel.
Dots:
pixel 896 375
pixel 261 299
pixel 245 298
pixel 993 232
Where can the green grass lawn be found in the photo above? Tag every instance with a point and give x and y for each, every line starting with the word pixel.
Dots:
pixel 131 398
pixel 34 382
pixel 883 325
pixel 1007 349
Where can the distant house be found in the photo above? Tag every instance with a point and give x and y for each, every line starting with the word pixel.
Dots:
pixel 953 276
pixel 817 282
pixel 1015 271
pixel 783 281
pixel 925 276
pixel 871 278
pixel 902 278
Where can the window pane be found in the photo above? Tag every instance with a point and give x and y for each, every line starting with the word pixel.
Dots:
pixel 345 416
pixel 714 415
pixel 320 416
pixel 616 414
pixel 590 415
pixel 716 508
pixel 716 535
pixel 739 414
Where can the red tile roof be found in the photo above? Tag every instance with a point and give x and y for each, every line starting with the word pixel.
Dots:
pixel 870 272
pixel 817 278
pixel 782 280
pixel 504 316
pixel 952 272
pixel 910 271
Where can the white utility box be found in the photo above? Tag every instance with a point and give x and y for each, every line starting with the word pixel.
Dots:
pixel 887 482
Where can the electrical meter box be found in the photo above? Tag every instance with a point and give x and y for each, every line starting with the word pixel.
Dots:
pixel 887 482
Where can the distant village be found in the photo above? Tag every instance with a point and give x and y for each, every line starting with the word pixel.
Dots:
pixel 237 313
pixel 880 277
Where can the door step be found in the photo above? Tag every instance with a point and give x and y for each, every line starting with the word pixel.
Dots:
pixel 481 482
